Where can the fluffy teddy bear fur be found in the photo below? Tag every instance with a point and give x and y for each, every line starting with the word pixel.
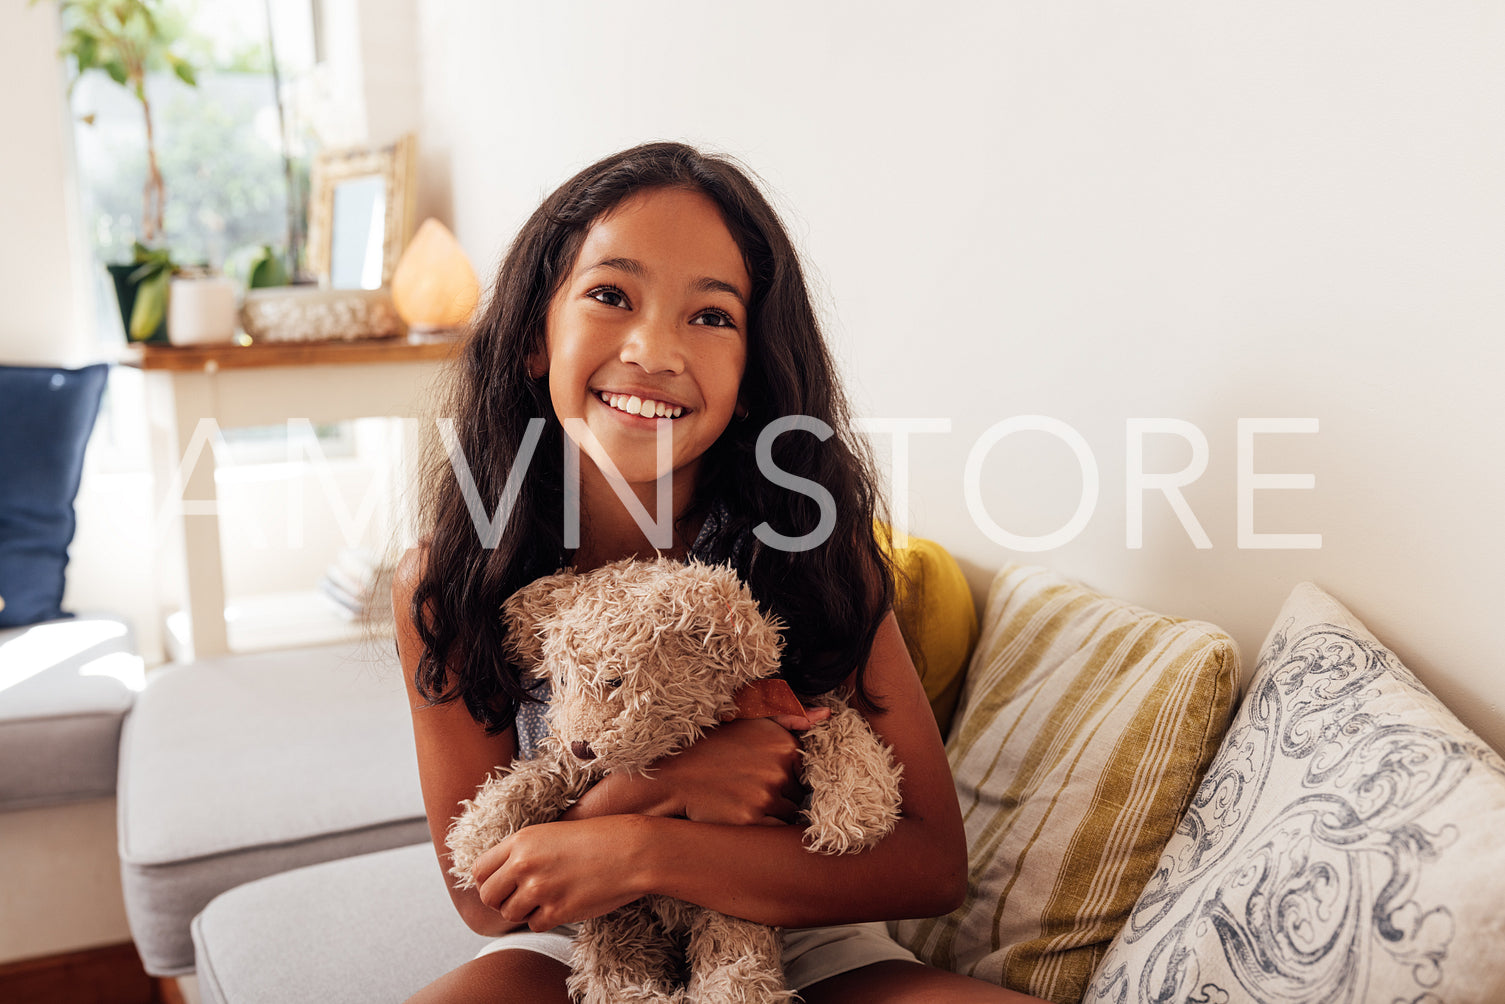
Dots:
pixel 642 657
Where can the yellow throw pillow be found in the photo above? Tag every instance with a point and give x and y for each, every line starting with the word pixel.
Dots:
pixel 933 606
pixel 1085 726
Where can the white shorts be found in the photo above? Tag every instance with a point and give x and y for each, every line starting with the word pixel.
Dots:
pixel 811 954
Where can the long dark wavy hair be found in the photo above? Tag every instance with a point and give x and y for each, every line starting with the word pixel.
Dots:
pixel 831 598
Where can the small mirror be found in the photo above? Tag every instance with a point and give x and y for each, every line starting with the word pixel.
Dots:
pixel 360 215
pixel 355 241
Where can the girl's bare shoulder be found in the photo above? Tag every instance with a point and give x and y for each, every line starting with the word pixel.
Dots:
pixel 406 577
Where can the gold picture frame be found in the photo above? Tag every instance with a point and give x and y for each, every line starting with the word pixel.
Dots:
pixel 347 187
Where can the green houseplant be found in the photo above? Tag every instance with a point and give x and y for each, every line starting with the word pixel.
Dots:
pixel 127 40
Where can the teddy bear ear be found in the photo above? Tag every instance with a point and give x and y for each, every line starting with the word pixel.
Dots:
pixel 525 613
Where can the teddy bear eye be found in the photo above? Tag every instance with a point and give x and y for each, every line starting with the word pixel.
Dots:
pixel 614 683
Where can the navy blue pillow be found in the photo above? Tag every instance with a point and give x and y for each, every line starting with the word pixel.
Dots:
pixel 46 416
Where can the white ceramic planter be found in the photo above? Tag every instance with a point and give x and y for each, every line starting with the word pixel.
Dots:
pixel 201 310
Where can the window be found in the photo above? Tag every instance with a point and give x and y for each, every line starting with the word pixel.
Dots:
pixel 234 160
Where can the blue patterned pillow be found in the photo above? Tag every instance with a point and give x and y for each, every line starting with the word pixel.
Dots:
pixel 46 416
pixel 1344 844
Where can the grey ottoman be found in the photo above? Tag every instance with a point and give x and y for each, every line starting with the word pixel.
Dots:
pixel 65 685
pixel 364 930
pixel 239 767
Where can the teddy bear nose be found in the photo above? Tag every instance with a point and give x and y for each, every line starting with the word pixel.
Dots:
pixel 582 750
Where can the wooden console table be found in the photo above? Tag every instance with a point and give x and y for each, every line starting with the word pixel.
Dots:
pixel 264 384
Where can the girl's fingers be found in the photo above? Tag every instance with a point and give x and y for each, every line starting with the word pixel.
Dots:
pixel 488 862
pixel 799 723
pixel 784 811
pixel 516 911
pixel 496 890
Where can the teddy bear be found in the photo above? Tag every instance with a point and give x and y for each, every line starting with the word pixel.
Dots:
pixel 642 657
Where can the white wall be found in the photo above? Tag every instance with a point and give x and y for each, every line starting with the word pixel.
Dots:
pixel 42 320
pixel 1204 211
pixel 367 80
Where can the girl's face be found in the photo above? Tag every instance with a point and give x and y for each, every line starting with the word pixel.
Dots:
pixel 648 331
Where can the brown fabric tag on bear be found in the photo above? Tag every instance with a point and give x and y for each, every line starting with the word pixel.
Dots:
pixel 766 699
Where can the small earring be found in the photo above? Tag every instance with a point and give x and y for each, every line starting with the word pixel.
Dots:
pixel 739 412
pixel 537 362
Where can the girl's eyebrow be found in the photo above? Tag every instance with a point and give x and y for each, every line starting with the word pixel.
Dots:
pixel 704 284
pixel 629 265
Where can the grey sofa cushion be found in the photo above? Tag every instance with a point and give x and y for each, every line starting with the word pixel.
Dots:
pixel 235 768
pixel 64 687
pixel 304 936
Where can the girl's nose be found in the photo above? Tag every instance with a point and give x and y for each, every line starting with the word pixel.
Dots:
pixel 655 346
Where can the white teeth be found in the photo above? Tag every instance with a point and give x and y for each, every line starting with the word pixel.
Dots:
pixel 646 407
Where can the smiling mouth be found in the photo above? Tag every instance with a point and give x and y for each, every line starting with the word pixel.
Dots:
pixel 631 404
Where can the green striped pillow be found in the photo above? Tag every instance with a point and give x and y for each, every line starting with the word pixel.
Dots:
pixel 1085 726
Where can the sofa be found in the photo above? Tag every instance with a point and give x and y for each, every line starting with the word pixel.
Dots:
pixel 1140 827
pixel 65 686
pixel 245 766
pixel 66 682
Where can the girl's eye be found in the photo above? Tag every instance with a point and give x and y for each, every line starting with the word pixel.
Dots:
pixel 714 319
pixel 609 295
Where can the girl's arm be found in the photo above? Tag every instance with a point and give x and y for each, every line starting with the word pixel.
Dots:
pixel 454 752
pixel 559 872
pixel 743 772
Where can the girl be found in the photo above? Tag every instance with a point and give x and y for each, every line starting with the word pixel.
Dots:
pixel 658 288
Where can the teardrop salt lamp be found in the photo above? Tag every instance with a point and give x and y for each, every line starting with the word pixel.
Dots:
pixel 434 287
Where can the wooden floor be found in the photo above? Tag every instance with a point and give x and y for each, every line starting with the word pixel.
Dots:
pixel 108 975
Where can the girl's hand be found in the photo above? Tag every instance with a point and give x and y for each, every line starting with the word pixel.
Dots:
pixel 743 772
pixel 563 872
pixel 799 723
